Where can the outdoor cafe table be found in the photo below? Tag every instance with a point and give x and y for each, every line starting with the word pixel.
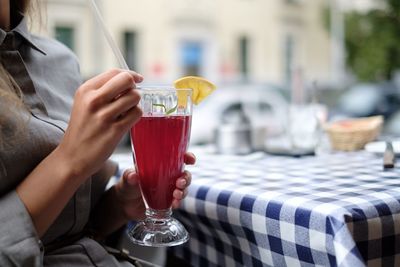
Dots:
pixel 337 209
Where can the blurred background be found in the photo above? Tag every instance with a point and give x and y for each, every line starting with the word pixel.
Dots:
pixel 262 54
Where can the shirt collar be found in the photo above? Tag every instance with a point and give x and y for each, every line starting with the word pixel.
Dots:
pixel 22 30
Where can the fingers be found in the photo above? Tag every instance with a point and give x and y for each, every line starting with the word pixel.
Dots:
pixel 178 196
pixel 181 190
pixel 122 104
pixel 190 158
pixel 128 187
pixel 130 178
pixel 102 79
pixel 176 203
pixel 99 80
pixel 108 87
pixel 129 118
pixel 184 181
pixel 138 77
pixel 116 86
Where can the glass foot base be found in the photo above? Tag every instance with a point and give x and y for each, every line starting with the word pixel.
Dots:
pixel 158 233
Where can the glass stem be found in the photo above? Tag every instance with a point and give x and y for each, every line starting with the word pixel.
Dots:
pixel 155 215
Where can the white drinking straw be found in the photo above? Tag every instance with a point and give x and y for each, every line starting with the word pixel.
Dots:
pixel 114 48
pixel 110 40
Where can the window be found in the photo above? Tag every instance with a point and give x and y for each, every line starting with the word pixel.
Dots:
pixel 293 1
pixel 288 59
pixel 130 49
pixel 243 57
pixel 191 56
pixel 66 35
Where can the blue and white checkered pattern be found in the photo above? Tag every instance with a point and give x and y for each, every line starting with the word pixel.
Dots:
pixel 262 210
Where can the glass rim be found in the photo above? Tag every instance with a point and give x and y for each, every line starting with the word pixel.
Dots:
pixel 166 88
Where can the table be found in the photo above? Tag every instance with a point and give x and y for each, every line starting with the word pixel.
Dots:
pixel 338 209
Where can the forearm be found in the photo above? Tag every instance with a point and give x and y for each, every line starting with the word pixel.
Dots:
pixel 47 190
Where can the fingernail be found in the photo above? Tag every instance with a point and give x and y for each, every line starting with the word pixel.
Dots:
pixel 132 181
pixel 182 182
pixel 128 172
pixel 130 175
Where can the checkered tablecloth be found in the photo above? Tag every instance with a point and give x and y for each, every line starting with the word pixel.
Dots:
pixel 262 210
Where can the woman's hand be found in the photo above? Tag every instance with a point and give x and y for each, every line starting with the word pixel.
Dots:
pixel 130 199
pixel 182 183
pixel 105 108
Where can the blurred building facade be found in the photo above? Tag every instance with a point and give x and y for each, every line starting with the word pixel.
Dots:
pixel 224 40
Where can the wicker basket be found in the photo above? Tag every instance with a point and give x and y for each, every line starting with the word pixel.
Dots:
pixel 354 134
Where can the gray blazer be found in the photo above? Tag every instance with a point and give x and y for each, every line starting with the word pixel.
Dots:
pixel 48 74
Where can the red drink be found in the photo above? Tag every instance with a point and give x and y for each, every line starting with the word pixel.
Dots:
pixel 160 145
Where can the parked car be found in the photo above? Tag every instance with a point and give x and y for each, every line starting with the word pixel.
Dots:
pixel 264 105
pixel 370 99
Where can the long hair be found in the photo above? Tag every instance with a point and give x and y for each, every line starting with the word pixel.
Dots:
pixel 21 6
pixel 12 123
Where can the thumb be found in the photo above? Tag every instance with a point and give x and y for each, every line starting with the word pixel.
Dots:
pixel 130 178
pixel 129 184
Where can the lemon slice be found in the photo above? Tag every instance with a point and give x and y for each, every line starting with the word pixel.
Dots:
pixel 200 86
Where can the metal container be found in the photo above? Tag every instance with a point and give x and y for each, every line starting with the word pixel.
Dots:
pixel 234 136
pixel 233 139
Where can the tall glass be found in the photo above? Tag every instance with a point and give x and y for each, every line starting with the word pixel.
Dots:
pixel 160 140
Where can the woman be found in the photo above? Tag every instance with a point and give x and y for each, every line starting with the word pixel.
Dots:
pixel 54 145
